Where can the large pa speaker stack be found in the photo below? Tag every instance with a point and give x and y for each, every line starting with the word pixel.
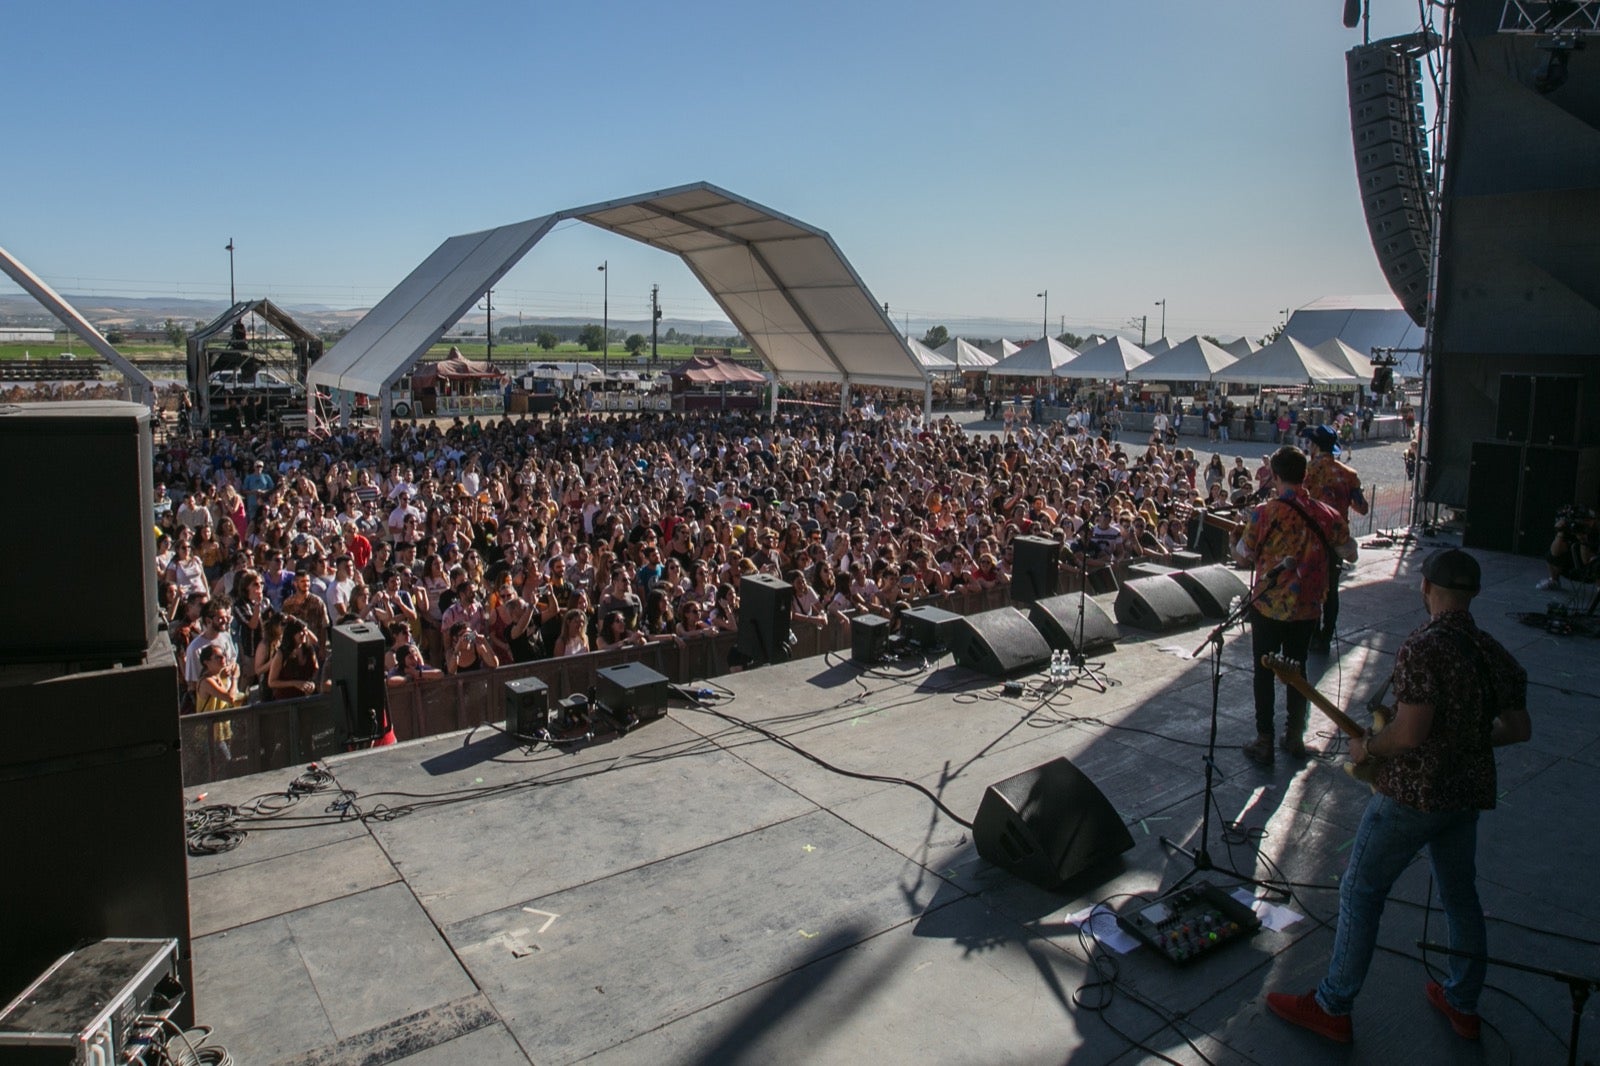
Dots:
pixel 1389 129
pixel 764 604
pixel 999 643
pixel 1048 825
pixel 1515 490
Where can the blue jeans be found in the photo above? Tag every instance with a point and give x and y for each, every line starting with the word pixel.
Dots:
pixel 1391 834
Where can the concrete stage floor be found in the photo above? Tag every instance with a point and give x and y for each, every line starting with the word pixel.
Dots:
pixel 694 892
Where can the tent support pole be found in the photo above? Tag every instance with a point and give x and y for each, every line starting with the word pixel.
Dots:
pixel 927 400
pixel 386 418
pixel 772 386
pixel 844 396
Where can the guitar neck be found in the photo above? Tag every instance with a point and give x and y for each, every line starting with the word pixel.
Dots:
pixel 1290 675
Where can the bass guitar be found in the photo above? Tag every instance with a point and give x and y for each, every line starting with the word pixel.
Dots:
pixel 1292 674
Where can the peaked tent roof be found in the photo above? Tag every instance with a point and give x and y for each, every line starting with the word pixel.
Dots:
pixel 1196 359
pixel 927 356
pixel 1000 349
pixel 1341 354
pixel 1362 322
pixel 784 284
pixel 1041 359
pixel 962 354
pixel 269 312
pixel 1110 361
pixel 1159 347
pixel 1286 361
pixel 707 369
pixel 1241 347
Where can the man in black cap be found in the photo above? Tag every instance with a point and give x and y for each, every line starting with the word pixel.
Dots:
pixel 1458 695
pixel 1338 486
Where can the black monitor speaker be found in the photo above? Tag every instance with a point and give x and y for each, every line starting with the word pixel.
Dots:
pixel 1056 619
pixel 355 666
pixel 869 639
pixel 764 603
pixel 1035 568
pixel 1049 824
pixel 89 465
pixel 999 643
pixel 929 627
pixel 1213 589
pixel 632 688
pixel 527 707
pixel 1156 604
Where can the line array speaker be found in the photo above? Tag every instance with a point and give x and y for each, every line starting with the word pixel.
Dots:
pixel 1056 619
pixel 764 603
pixel 1389 130
pixel 1000 643
pixel 1049 824
pixel 1156 604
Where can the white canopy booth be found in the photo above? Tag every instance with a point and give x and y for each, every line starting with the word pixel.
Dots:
pixel 784 284
pixel 1113 360
pixel 1286 362
pixel 1195 359
pixel 1043 358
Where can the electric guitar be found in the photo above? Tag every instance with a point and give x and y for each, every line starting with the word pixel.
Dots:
pixel 1292 674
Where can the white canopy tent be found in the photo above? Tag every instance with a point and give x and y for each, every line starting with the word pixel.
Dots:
pixel 1195 359
pixel 998 350
pixel 965 356
pixel 1241 347
pixel 1158 347
pixel 1113 360
pixel 785 286
pixel 1341 354
pixel 1364 323
pixel 1043 358
pixel 928 357
pixel 1286 362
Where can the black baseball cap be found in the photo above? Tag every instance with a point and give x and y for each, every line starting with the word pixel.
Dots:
pixel 1454 569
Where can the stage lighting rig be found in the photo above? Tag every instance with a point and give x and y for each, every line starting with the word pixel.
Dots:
pixel 1561 25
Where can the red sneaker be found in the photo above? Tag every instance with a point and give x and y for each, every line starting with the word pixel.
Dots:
pixel 1466 1025
pixel 1307 1013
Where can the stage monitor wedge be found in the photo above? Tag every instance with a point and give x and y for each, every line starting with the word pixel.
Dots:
pixel 1213 589
pixel 1156 604
pixel 1049 824
pixel 1056 619
pixel 1000 643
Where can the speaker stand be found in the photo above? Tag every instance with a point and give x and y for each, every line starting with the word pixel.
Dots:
pixel 1200 856
pixel 1080 670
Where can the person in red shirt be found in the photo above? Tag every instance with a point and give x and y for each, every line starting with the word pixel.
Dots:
pixel 1338 486
pixel 359 547
pixel 1292 541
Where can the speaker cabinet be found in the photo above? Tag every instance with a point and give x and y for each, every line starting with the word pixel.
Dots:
pixel 355 666
pixel 999 643
pixel 1514 492
pixel 1156 604
pixel 929 627
pixel 869 638
pixel 1187 560
pixel 527 707
pixel 764 604
pixel 1492 482
pixel 1538 409
pixel 632 687
pixel 1035 568
pixel 91 787
pixel 1211 542
pixel 1213 589
pixel 89 466
pixel 1056 619
pixel 1048 825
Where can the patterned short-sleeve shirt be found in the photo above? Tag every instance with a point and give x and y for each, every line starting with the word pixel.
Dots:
pixel 1275 531
pixel 1332 482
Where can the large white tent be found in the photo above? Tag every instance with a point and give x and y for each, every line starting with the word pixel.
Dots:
pixel 784 284
pixel 1041 359
pixel 1341 354
pixel 1112 360
pixel 999 349
pixel 1158 347
pixel 1364 323
pixel 1241 347
pixel 965 355
pixel 927 356
pixel 1195 359
pixel 1286 362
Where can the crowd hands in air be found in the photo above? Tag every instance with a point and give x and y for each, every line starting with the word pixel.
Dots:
pixel 478 544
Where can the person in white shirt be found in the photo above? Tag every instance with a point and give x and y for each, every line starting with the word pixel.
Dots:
pixel 343 582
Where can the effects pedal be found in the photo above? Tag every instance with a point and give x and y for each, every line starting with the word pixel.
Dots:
pixel 1190 923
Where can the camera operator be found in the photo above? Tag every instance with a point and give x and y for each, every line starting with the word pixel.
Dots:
pixel 409 667
pixel 469 650
pixel 1574 549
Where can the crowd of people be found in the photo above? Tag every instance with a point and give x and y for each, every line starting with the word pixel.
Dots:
pixel 482 543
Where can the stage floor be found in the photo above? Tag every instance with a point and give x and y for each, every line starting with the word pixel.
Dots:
pixel 696 892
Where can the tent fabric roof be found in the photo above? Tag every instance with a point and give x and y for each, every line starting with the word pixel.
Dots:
pixel 1196 359
pixel 456 368
pixel 1159 347
pixel 1241 347
pixel 785 286
pixel 1112 360
pixel 927 356
pixel 1286 361
pixel 1341 354
pixel 999 349
pixel 706 369
pixel 271 313
pixel 1362 322
pixel 1041 359
pixel 962 354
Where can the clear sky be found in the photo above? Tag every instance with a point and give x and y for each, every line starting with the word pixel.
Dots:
pixel 964 156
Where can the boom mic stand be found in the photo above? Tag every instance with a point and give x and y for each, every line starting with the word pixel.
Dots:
pixel 1080 668
pixel 1579 987
pixel 1200 857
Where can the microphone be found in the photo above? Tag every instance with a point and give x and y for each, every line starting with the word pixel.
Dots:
pixel 1286 563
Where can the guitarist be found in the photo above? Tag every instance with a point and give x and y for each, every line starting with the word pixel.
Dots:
pixel 1458 694
pixel 1338 486
pixel 1291 540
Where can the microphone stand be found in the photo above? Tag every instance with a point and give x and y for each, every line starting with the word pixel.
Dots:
pixel 1081 670
pixel 1580 987
pixel 1200 857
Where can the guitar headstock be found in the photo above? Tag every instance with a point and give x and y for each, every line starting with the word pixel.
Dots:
pixel 1286 668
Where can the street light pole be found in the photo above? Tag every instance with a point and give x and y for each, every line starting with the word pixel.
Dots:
pixel 1045 330
pixel 232 299
pixel 605 328
pixel 1162 303
pixel 488 327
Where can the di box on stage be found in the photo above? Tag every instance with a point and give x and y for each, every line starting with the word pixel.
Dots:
pixel 1156 604
pixel 1048 825
pixel 999 643
pixel 1213 588
pixel 632 687
pixel 764 603
pixel 1035 566
pixel 1056 619
pixel 930 627
pixel 527 707
pixel 869 638
pixel 355 665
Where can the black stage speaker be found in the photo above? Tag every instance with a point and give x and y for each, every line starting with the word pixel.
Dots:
pixel 1156 604
pixel 1551 479
pixel 1389 129
pixel 1187 560
pixel 929 627
pixel 999 643
pixel 764 603
pixel 1211 542
pixel 1213 588
pixel 1048 825
pixel 355 666
pixel 1492 482
pixel 1056 619
pixel 89 465
pixel 1035 567
pixel 632 687
pixel 1538 409
pixel 92 829
pixel 869 638
pixel 527 707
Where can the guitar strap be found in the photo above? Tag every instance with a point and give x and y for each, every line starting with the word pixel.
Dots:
pixel 1327 548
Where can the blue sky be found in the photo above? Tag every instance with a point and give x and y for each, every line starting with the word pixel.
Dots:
pixel 963 156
